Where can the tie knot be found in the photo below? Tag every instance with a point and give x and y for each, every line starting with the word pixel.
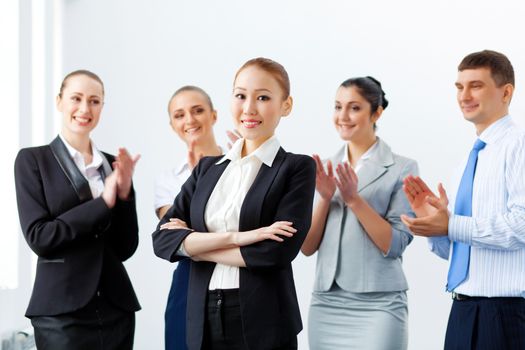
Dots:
pixel 479 145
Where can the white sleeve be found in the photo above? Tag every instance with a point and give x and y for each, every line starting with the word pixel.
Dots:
pixel 166 189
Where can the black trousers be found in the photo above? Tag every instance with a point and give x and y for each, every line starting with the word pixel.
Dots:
pixel 97 326
pixel 223 328
pixel 486 324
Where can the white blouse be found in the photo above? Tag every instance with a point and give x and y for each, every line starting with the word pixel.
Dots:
pixel 369 153
pixel 169 183
pixel 224 205
pixel 90 171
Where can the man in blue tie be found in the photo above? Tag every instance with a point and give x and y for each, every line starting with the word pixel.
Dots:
pixel 482 232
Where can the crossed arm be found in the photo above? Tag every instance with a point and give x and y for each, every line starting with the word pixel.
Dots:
pixel 224 247
pixel 266 247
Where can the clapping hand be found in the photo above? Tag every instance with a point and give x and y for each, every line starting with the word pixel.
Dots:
pixel 324 180
pixel 109 195
pixel 346 182
pixel 124 166
pixel 193 157
pixel 233 135
pixel 418 195
pixel 431 210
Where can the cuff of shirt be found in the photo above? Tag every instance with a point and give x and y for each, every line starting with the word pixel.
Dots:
pixel 181 251
pixel 460 228
pixel 440 246
pixel 395 246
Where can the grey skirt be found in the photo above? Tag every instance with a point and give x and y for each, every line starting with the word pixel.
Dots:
pixel 363 321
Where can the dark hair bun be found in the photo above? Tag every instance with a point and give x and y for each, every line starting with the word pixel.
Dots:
pixel 384 101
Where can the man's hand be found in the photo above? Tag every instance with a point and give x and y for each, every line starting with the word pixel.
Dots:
pixel 431 211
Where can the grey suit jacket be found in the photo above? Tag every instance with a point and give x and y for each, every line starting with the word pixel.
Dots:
pixel 346 253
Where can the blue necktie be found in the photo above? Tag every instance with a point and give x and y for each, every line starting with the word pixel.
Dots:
pixel 460 251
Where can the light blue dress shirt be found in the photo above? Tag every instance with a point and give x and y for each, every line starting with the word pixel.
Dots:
pixel 496 230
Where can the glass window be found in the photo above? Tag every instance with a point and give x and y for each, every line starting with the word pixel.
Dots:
pixel 9 134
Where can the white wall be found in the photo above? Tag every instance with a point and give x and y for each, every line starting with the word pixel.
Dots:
pixel 145 50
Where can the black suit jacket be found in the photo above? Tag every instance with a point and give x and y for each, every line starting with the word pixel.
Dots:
pixel 283 192
pixel 80 242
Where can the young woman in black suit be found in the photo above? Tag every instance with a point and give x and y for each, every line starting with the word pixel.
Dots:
pixel 242 218
pixel 77 211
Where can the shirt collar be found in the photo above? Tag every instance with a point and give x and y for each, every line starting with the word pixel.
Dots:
pixel 369 152
pixel 76 155
pixel 182 168
pixel 266 152
pixel 496 130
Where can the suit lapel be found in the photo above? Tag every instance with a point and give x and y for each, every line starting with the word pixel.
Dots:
pixel 70 169
pixel 105 169
pixel 253 202
pixel 376 166
pixel 368 174
pixel 203 191
pixel 372 169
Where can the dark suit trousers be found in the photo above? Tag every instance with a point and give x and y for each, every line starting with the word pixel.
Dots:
pixel 97 326
pixel 223 329
pixel 175 316
pixel 486 324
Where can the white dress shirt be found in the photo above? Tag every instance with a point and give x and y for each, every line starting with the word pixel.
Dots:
pixel 169 183
pixel 369 153
pixel 90 171
pixel 496 230
pixel 224 205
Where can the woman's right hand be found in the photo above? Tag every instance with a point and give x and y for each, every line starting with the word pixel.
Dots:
pixel 324 180
pixel 109 195
pixel 125 163
pixel 174 224
pixel 278 228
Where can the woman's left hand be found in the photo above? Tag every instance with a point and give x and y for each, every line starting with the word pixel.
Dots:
pixel 233 135
pixel 125 163
pixel 346 182
pixel 174 224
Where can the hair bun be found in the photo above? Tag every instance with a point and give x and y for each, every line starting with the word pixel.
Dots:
pixel 384 101
pixel 374 80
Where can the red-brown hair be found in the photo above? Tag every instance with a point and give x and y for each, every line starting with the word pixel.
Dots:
pixel 272 67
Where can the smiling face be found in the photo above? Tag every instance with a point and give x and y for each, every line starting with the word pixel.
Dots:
pixel 257 105
pixel 480 99
pixel 352 116
pixel 192 117
pixel 80 103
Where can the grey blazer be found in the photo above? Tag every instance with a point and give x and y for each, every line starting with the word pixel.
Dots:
pixel 346 253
